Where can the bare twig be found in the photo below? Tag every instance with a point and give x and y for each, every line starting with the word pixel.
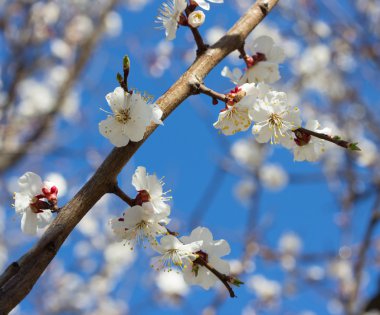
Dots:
pixel 122 195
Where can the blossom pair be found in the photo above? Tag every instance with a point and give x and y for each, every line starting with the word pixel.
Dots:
pixel 171 15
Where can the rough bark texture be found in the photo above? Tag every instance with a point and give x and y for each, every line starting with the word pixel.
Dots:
pixel 20 277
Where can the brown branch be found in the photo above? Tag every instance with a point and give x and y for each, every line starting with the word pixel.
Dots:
pixel 34 262
pixel 342 143
pixel 122 195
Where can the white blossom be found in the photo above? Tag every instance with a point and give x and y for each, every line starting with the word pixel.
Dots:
pixel 248 153
pixel 139 224
pixel 174 253
pixel 274 119
pixel 205 5
pixel 196 18
pixel 262 65
pixel 171 283
pixel 273 176
pixel 234 117
pixel 210 251
pixel 150 184
pixel 28 203
pixel 131 114
pixel 266 290
pixel 290 244
pixel 310 148
pixel 169 16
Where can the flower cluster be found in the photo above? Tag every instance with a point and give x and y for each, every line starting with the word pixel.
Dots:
pixel 195 255
pixel 35 202
pixel 253 101
pixel 178 12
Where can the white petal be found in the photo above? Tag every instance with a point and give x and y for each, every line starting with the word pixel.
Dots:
pixel 29 222
pixel 44 218
pixel 139 179
pixel 30 183
pixel 135 128
pixel 219 248
pixel 203 4
pixel 22 202
pixel 112 130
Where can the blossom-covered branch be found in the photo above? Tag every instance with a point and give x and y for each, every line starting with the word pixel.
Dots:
pixel 21 279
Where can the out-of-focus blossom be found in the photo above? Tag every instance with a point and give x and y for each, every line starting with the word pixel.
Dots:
pixel 266 290
pixel 248 153
pixel 273 176
pixel 290 244
pixel 171 284
pixel 113 24
pixel 79 29
pixel 245 189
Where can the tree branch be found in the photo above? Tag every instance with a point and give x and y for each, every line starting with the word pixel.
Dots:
pixel 34 262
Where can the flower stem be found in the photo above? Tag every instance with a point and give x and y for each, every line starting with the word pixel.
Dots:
pixel 202 47
pixel 243 54
pixel 336 139
pixel 222 277
pixel 122 195
pixel 201 88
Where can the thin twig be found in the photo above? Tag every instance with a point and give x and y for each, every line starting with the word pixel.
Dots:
pixel 222 277
pixel 122 195
pixel 342 143
pixel 202 47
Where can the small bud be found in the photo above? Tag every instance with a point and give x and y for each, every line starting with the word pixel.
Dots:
pixel 214 101
pixel 354 147
pixel 235 281
pixel 196 19
pixel 126 63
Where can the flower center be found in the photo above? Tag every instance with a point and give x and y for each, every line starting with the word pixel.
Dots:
pixel 275 120
pixel 123 116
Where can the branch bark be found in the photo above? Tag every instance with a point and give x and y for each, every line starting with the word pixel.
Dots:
pixel 17 285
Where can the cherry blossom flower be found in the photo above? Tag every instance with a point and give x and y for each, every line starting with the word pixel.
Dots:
pixel 171 284
pixel 274 119
pixel 273 176
pixel 130 116
pixel 170 15
pixel 139 224
pixel 234 117
pixel 210 252
pixel 205 5
pixel 150 190
pixel 262 64
pixel 307 147
pixel 266 290
pixel 196 18
pixel 33 202
pixel 174 253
